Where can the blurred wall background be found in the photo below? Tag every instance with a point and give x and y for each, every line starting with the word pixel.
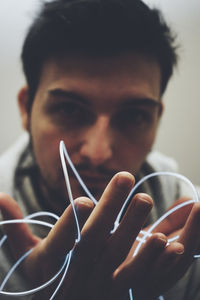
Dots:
pixel 179 130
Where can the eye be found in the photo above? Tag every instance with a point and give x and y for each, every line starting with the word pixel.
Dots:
pixel 133 118
pixel 71 113
pixel 68 108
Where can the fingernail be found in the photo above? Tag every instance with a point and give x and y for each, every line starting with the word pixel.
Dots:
pixel 83 201
pixel 124 180
pixel 180 251
pixel 144 201
pixel 162 238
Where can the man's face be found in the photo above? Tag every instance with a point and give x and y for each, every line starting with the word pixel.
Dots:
pixel 106 110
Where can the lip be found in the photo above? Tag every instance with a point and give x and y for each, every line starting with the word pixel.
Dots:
pixel 92 179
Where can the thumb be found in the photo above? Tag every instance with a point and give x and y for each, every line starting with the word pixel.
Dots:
pixel 61 238
pixel 177 219
pixel 20 237
pixel 50 252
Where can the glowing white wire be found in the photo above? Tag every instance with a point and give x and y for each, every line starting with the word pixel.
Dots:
pixel 42 214
pixel 163 173
pixel 161 219
pixel 143 239
pixel 32 291
pixel 77 175
pixel 28 220
pixel 62 152
pixel 65 266
pixel 64 275
pixel 35 290
pixel 14 268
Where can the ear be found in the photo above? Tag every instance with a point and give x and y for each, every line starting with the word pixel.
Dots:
pixel 161 108
pixel 23 97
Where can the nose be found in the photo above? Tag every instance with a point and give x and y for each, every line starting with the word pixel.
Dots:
pixel 97 144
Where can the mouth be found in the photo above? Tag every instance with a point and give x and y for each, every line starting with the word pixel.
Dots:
pixel 95 181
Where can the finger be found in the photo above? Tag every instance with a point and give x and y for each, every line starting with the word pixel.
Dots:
pixel 61 238
pixel 189 236
pixel 96 231
pixel 19 235
pixel 100 223
pixel 136 270
pixel 121 241
pixel 149 271
pixel 169 268
pixel 175 220
pixel 168 259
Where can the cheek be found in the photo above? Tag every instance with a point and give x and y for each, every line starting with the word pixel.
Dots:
pixel 144 144
pixel 46 148
pixel 134 151
pixel 45 139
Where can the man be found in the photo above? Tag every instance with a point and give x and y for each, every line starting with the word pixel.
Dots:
pixel 96 72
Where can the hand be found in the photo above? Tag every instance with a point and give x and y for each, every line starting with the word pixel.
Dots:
pixel 162 269
pixel 96 257
pixel 99 268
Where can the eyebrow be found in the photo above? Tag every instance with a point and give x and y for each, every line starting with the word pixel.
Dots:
pixel 131 101
pixel 141 102
pixel 68 94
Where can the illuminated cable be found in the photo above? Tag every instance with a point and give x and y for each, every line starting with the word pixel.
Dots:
pixel 77 175
pixel 64 268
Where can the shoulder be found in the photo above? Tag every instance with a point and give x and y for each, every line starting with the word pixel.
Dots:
pixel 166 185
pixel 173 186
pixel 161 162
pixel 8 163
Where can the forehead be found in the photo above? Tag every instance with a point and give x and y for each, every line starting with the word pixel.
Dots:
pixel 114 77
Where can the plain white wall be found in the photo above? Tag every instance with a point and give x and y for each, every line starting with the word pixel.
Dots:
pixel 179 131
pixel 15 17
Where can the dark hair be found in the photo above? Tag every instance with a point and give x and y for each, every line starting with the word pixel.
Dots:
pixel 97 27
